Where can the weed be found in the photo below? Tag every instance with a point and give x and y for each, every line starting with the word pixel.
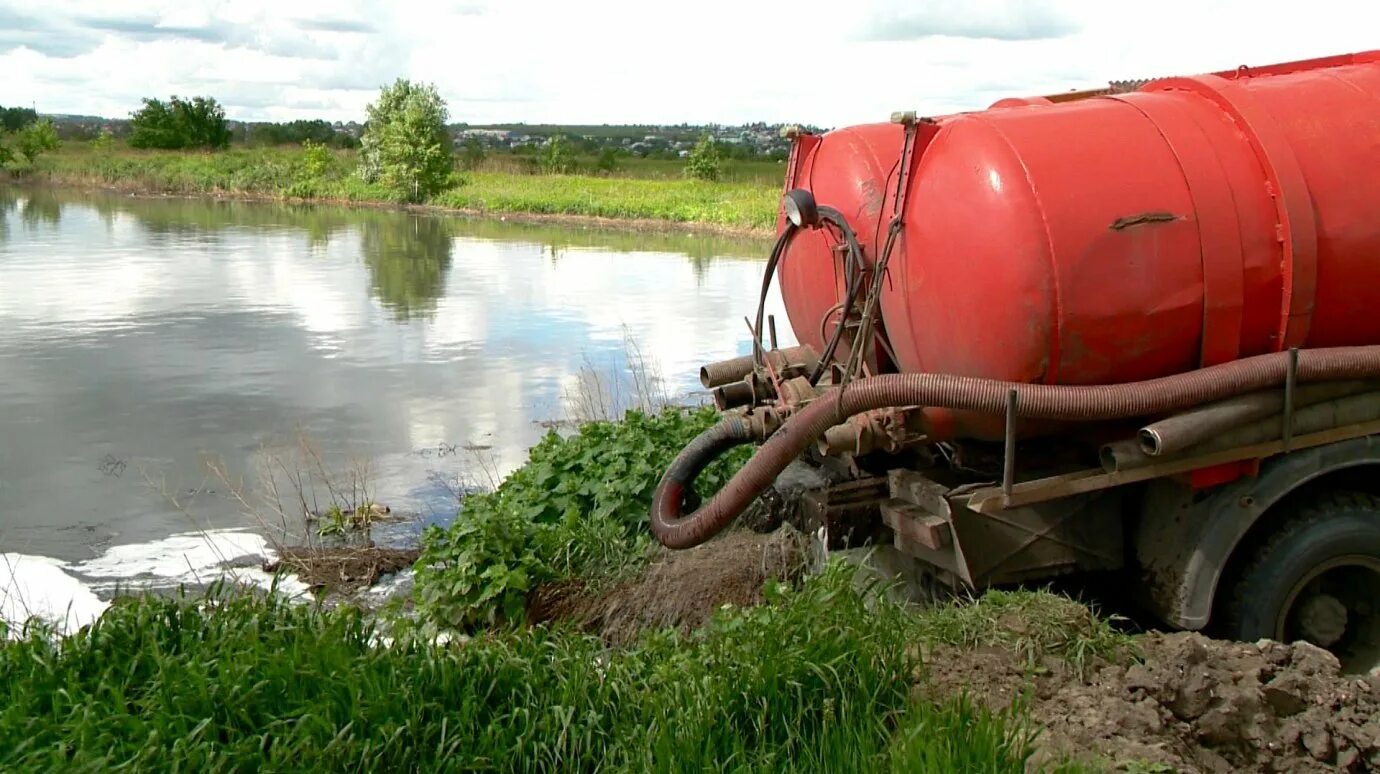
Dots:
pixel 578 507
pixel 818 680
pixel 1032 623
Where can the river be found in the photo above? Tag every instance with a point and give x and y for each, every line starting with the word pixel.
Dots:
pixel 157 355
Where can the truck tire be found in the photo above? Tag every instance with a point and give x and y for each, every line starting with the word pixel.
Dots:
pixel 1316 578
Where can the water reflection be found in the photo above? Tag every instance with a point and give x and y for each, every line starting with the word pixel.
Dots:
pixel 40 207
pixel 163 333
pixel 407 259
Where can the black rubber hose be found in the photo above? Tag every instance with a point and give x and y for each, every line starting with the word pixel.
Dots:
pixel 677 483
pixel 853 270
pixel 777 251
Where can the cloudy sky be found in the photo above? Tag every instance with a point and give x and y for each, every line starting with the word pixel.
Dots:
pixel 825 62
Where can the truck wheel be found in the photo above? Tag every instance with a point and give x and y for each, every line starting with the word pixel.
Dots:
pixel 1317 578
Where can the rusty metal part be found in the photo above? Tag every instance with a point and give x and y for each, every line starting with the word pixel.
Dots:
pixel 1194 426
pixel 990 500
pixel 934 523
pixel 846 512
pixel 1040 401
pixel 737 369
pixel 1350 410
pixel 733 395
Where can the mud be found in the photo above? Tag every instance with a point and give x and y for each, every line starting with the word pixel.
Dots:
pixel 342 570
pixel 679 589
pixel 1187 703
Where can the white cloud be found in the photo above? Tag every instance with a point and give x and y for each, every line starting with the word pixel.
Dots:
pixel 813 61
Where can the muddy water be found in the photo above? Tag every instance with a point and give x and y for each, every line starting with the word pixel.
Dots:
pixel 155 354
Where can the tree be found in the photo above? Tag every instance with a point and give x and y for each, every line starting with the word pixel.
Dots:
pixel 608 159
pixel 406 146
pixel 557 158
pixel 474 153
pixel 36 138
pixel 16 118
pixel 703 163
pixel 178 123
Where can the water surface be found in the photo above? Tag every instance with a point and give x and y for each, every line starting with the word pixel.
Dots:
pixel 146 343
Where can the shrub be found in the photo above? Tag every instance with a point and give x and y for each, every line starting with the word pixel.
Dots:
pixel 178 123
pixel 704 160
pixel 578 507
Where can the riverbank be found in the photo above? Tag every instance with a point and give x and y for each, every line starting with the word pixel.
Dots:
pixel 545 632
pixel 284 174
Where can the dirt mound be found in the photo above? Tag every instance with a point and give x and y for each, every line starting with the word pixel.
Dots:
pixel 342 569
pixel 1192 703
pixel 679 589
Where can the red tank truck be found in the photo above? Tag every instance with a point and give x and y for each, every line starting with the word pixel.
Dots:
pixel 1133 330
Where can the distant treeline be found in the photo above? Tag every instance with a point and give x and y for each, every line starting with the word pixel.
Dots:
pixel 293 132
pixel 15 118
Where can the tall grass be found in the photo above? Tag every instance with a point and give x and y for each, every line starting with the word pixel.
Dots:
pixel 818 680
pixel 747 203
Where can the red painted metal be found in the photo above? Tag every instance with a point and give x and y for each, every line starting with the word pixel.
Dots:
pixel 1117 237
pixel 847 169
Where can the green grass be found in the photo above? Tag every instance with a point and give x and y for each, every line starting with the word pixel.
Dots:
pixel 1032 624
pixel 745 201
pixel 817 680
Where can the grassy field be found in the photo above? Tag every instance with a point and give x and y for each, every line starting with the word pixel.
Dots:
pixel 646 190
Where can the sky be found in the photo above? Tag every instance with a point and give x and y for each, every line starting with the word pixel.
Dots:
pixel 820 62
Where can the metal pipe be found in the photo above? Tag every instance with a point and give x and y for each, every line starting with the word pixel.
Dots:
pixel 1192 427
pixel 733 395
pixel 1036 401
pixel 1349 410
pixel 736 369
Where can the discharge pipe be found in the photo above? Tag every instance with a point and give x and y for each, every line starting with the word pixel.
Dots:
pixel 1034 401
pixel 1195 426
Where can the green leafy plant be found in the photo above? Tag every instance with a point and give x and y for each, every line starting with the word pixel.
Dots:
pixel 406 146
pixel 474 153
pixel 578 507
pixel 36 138
pixel 198 122
pixel 557 159
pixel 316 159
pixel 704 161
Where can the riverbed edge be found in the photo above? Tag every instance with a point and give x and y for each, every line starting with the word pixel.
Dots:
pixel 634 225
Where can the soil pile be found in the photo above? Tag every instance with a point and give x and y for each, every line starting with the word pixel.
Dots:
pixel 679 589
pixel 1188 702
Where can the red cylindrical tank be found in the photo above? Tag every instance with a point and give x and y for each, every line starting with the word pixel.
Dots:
pixel 844 169
pixel 1125 236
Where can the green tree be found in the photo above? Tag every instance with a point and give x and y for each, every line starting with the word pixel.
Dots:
pixel 474 153
pixel 316 159
pixel 16 118
pixel 608 159
pixel 195 123
pixel 6 156
pixel 557 159
pixel 406 146
pixel 103 141
pixel 703 163
pixel 38 137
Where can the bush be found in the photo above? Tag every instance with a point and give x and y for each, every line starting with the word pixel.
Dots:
pixel 704 160
pixel 178 124
pixel 38 137
pixel 406 145
pixel 557 159
pixel 316 159
pixel 578 507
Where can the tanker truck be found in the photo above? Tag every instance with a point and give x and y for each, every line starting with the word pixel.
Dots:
pixel 1128 333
